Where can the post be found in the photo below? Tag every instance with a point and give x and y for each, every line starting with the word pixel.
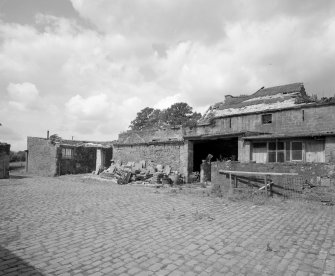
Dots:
pixel 265 186
pixel 26 152
pixel 47 134
pixel 230 184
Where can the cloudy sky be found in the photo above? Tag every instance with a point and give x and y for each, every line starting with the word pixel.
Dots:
pixel 84 68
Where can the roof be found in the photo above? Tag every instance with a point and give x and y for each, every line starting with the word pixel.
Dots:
pixel 77 143
pixel 290 135
pixel 88 144
pixel 210 136
pixel 277 97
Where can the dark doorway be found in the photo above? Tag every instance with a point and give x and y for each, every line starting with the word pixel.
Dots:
pixel 108 157
pixel 221 149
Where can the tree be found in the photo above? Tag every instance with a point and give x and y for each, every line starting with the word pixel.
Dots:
pixel 55 138
pixel 146 118
pixel 181 114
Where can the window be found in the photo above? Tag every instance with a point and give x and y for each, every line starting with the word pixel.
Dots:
pixel 67 153
pixel 272 152
pixel 276 152
pixel 296 152
pixel 259 152
pixel 266 119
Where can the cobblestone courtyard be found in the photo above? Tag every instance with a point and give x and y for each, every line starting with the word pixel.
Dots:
pixel 73 225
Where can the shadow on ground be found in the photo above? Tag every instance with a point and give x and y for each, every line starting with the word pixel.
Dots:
pixel 10 264
pixel 16 176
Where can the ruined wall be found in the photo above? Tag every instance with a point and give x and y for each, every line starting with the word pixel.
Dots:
pixel 310 174
pixel 160 153
pixel 152 135
pixel 4 160
pixel 42 157
pixel 313 118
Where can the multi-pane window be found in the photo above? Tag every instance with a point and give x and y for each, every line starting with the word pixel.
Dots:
pixel 278 151
pixel 67 153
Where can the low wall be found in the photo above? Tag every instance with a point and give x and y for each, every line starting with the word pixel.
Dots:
pixel 318 178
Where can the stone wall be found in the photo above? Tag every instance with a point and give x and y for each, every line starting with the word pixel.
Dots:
pixel 159 153
pixel 4 160
pixel 152 135
pixel 321 175
pixel 42 156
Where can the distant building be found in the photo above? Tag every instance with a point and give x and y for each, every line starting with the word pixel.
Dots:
pixel 4 160
pixel 52 157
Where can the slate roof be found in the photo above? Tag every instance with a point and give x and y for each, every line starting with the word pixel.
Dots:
pixel 277 97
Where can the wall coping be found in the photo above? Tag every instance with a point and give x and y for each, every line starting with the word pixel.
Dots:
pixel 152 143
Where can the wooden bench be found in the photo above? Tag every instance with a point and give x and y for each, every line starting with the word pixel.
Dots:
pixel 265 175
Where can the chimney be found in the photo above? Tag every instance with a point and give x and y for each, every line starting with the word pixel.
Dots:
pixel 48 134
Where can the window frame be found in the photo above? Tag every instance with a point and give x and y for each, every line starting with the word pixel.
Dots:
pixel 302 151
pixel 287 152
pixel 267 122
pixel 276 151
pixel 67 153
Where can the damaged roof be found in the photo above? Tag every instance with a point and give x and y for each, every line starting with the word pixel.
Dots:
pixel 277 97
pixel 88 144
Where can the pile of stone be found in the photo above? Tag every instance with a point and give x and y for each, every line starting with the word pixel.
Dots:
pixel 141 172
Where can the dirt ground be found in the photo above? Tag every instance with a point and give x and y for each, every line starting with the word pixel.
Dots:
pixel 78 225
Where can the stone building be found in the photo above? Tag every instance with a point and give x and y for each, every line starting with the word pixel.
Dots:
pixel 4 160
pixel 280 126
pixel 51 157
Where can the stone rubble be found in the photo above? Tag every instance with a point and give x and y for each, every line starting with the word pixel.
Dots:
pixel 141 173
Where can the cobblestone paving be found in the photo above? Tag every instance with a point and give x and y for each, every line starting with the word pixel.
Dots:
pixel 77 226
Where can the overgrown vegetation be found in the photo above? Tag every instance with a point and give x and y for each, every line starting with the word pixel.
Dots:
pixel 178 114
pixel 19 156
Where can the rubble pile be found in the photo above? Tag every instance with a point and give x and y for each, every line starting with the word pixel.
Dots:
pixel 141 172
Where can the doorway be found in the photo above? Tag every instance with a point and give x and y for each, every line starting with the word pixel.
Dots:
pixel 220 149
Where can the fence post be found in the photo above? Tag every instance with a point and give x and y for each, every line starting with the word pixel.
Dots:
pixel 265 186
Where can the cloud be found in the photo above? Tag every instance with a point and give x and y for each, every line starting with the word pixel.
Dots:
pixel 8 133
pixel 23 96
pixel 91 82
pixel 91 108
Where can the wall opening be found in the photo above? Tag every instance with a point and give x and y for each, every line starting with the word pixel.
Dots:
pixel 221 149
